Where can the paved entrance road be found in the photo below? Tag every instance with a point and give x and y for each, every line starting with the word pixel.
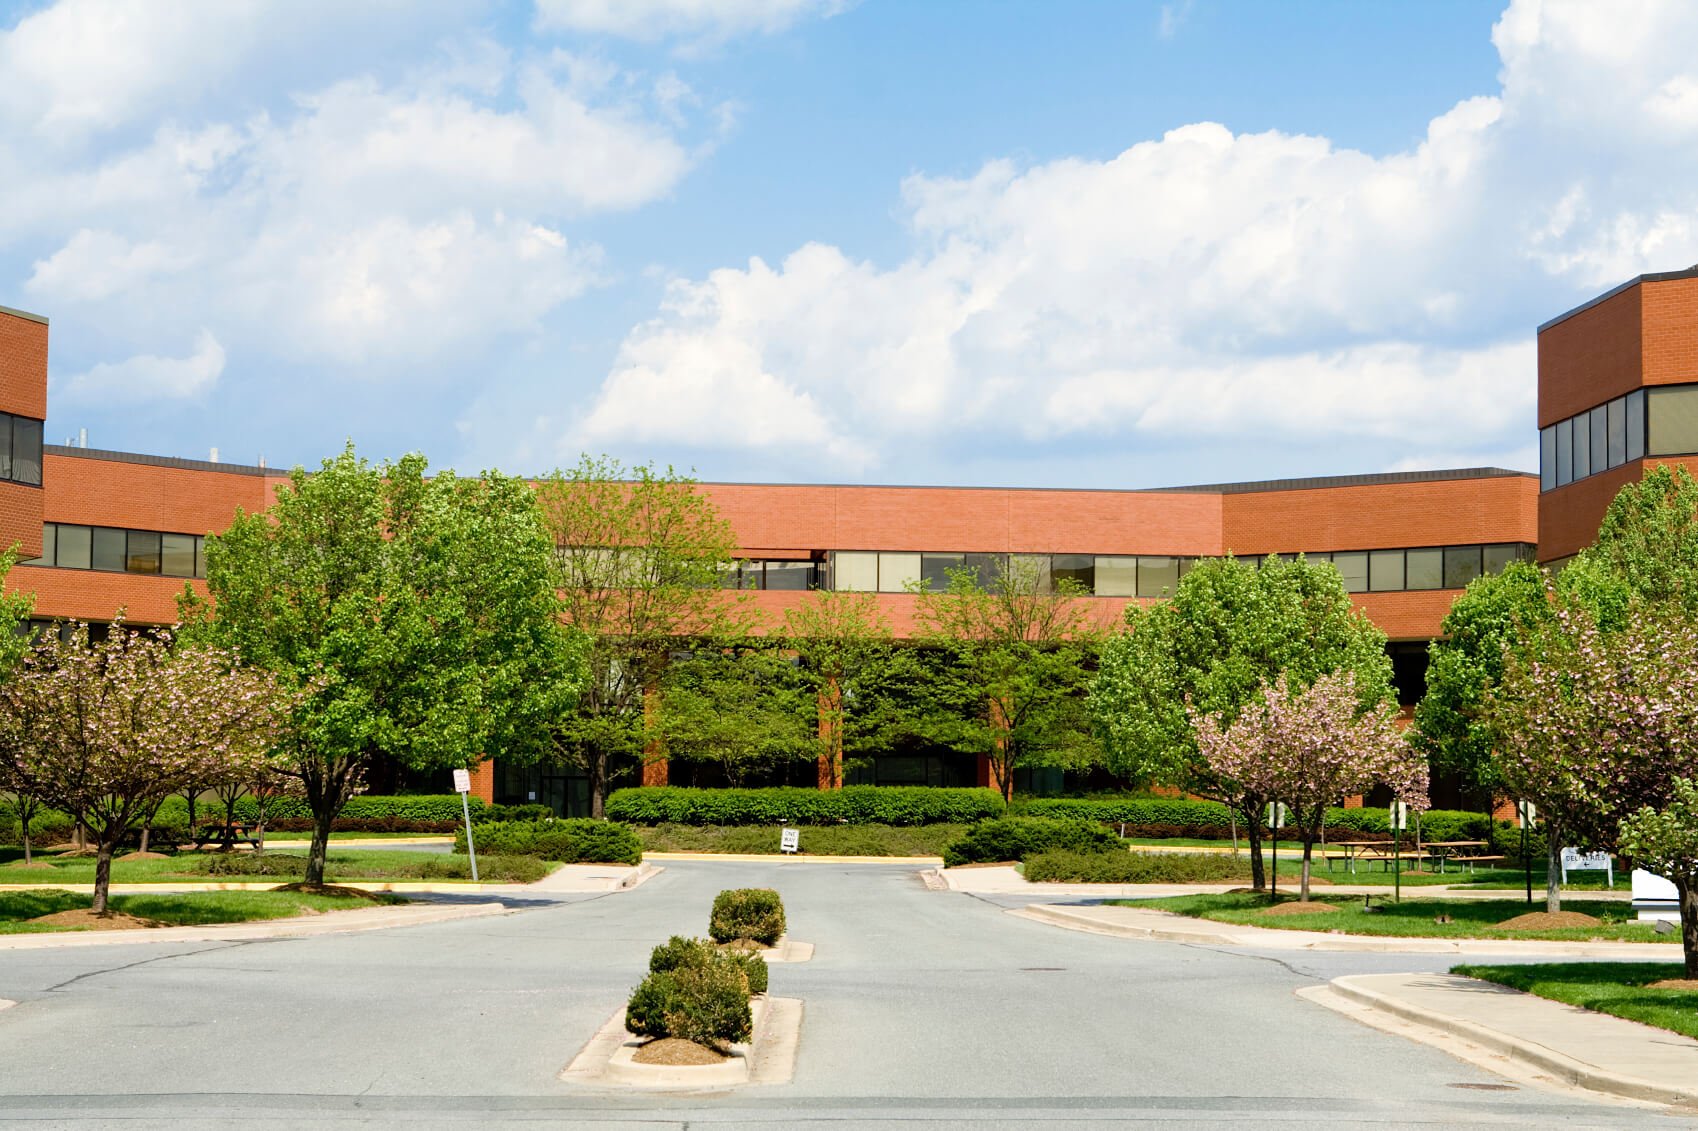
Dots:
pixel 922 1009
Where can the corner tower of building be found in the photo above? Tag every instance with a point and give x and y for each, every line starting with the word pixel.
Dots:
pixel 23 409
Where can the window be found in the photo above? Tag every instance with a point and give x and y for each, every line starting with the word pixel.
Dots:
pixel 789 576
pixel 854 571
pixel 1461 565
pixel 26 451
pixel 1117 577
pixel 1565 453
pixel 1616 431
pixel 1157 577
pixel 1385 571
pixel 1032 569
pixel 1582 447
pixel 200 555
pixel 177 555
pixel 1353 568
pixel 110 548
pixel 1081 569
pixel 1600 438
pixel 49 537
pixel 897 573
pixel 1671 417
pixel 1547 458
pixel 1636 424
pixel 1424 569
pixel 142 555
pixel 1497 557
pixel 934 570
pixel 987 568
pixel 73 547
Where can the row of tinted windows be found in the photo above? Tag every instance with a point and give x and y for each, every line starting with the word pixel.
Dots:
pixel 121 551
pixel 20 449
pixel 771 575
pixel 1363 571
pixel 1601 438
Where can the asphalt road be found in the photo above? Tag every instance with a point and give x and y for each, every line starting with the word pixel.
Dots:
pixel 922 1009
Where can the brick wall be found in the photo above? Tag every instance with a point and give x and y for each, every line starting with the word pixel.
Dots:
pixel 23 365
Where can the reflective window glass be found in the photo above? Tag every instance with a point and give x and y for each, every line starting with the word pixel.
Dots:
pixel 48 533
pixel 790 575
pixel 852 571
pixel 987 568
pixel 200 555
pixel 1496 557
pixel 1600 438
pixel 5 446
pixel 111 547
pixel 934 570
pixel 1636 424
pixel 1185 565
pixel 26 451
pixel 1582 447
pixel 1547 458
pixel 1461 565
pixel 898 573
pixel 1424 569
pixel 177 555
pixel 1117 577
pixel 1671 417
pixel 1565 453
pixel 1157 577
pixel 1352 566
pixel 73 546
pixel 1081 569
pixel 1385 571
pixel 143 554
pixel 1616 427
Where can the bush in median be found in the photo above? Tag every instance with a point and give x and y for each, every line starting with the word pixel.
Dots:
pixel 1134 868
pixel 1015 838
pixel 754 914
pixel 573 840
pixel 853 805
pixel 678 952
pixel 707 1004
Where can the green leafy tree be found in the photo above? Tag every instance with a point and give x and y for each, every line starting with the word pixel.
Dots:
pixel 847 653
pixel 1646 552
pixel 1665 841
pixel 641 557
pixel 1453 726
pixel 1228 630
pixel 415 618
pixel 1011 658
pixel 15 610
pixel 742 707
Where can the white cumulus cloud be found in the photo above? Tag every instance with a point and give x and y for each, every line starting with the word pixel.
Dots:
pixel 697 22
pixel 148 378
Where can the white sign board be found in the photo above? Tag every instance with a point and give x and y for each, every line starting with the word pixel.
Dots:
pixel 462 781
pixel 790 840
pixel 1526 814
pixel 1397 816
pixel 1276 814
pixel 1574 860
pixel 1654 897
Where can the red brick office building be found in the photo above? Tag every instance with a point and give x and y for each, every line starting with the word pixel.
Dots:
pixel 1618 386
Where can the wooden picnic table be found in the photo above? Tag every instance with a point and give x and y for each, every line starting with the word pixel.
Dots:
pixel 1354 850
pixel 227 836
pixel 1455 851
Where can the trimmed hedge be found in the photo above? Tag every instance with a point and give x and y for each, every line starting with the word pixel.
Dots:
pixel 755 914
pixel 678 952
pixel 1015 838
pixel 428 866
pixel 854 805
pixel 707 1004
pixel 1210 820
pixel 573 840
pixel 1133 868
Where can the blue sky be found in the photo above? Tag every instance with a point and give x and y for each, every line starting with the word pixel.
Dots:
pixel 1088 244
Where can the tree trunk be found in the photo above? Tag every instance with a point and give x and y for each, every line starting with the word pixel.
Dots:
pixel 321 822
pixel 102 875
pixel 147 831
pixel 596 765
pixel 1553 870
pixel 1689 923
pixel 1253 841
pixel 1303 888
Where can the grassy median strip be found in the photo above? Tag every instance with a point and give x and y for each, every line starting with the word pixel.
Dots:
pixel 238 867
pixel 17 909
pixel 1412 918
pixel 1621 989
pixel 816 840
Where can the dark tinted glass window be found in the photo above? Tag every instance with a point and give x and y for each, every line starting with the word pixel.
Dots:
pixel 790 575
pixel 1600 439
pixel 1385 571
pixel 1157 577
pixel 176 554
pixel 26 451
pixel 73 546
pixel 1353 568
pixel 1078 568
pixel 49 533
pixel 1582 447
pixel 1425 569
pixel 111 547
pixel 1616 427
pixel 1501 555
pixel 934 570
pixel 1461 565
pixel 1547 458
pixel 143 553
pixel 987 568
pixel 1565 453
pixel 1672 418
pixel 5 446
pixel 1636 424
pixel 200 555
pixel 1117 576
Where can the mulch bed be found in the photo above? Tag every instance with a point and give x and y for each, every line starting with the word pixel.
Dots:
pixel 331 889
pixel 33 865
pixel 83 917
pixel 1688 984
pixel 671 1050
pixel 142 856
pixel 1549 921
pixel 1299 908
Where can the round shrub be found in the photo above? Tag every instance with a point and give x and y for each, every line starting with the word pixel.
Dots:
pixel 679 952
pixel 1015 838
pixel 755 914
pixel 249 864
pixel 707 1004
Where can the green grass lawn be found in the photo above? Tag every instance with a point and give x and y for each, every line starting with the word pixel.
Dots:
pixel 1416 918
pixel 238 867
pixel 199 909
pixel 1617 988
pixel 303 838
pixel 820 840
pixel 1291 863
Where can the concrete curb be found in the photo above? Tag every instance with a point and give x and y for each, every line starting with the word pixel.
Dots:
pixel 793 858
pixel 607 1060
pixel 1536 1054
pixel 302 926
pixel 561 881
pixel 788 950
pixel 1142 923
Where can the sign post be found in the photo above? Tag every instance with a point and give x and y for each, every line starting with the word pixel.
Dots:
pixel 1398 819
pixel 1525 816
pixel 1276 818
pixel 463 786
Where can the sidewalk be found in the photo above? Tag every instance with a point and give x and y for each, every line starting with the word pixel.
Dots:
pixel 1576 1046
pixel 568 879
pixel 1141 923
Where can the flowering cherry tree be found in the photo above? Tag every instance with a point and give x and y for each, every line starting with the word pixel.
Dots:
pixel 109 729
pixel 1666 842
pixel 1595 726
pixel 1310 748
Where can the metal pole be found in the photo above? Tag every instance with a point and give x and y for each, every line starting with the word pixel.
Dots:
pixel 471 849
pixel 1525 862
pixel 1273 831
pixel 1396 858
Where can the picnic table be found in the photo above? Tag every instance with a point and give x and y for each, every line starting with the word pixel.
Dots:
pixel 1367 851
pixel 1458 852
pixel 227 836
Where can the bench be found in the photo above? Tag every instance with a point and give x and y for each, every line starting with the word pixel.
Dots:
pixel 226 836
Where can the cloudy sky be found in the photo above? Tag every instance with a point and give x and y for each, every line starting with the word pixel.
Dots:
pixel 1089 244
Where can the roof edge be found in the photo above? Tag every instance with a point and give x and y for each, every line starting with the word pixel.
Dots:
pixel 160 461
pixel 41 318
pixel 1653 277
